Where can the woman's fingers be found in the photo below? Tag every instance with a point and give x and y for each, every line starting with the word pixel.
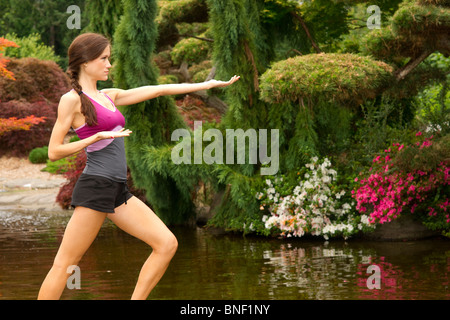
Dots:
pixel 234 79
pixel 116 134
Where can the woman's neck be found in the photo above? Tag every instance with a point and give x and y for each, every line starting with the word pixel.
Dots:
pixel 88 84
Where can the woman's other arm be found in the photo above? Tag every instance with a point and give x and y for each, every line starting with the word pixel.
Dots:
pixel 137 95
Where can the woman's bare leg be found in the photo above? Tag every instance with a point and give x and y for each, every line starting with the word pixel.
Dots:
pixel 80 232
pixel 141 222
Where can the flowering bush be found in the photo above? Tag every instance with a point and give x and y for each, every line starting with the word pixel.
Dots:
pixel 412 178
pixel 314 206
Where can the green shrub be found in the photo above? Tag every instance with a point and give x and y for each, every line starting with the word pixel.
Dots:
pixel 191 50
pixel 341 78
pixel 31 47
pixel 39 155
pixel 58 167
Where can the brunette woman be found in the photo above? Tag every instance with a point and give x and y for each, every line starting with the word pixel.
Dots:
pixel 101 189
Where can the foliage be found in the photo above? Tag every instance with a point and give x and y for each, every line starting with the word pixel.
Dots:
pixel 174 15
pixel 31 46
pixel 35 92
pixel 76 164
pixel 57 167
pixel 433 108
pixel 316 204
pixel 45 17
pixel 343 78
pixel 190 50
pixel 415 27
pixel 152 121
pixel 406 178
pixel 4 43
pixel 36 80
pixel 20 143
pixel 104 16
pixel 193 109
pixel 39 155
pixel 13 124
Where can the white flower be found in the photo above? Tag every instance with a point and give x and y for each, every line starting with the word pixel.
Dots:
pixel 308 185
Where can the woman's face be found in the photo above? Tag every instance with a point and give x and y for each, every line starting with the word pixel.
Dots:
pixel 99 68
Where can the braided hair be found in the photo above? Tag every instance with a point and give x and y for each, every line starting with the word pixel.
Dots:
pixel 85 48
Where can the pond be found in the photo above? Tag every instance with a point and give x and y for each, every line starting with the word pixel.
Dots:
pixel 217 266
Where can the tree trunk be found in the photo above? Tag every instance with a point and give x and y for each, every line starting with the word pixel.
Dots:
pixel 413 62
pixel 302 22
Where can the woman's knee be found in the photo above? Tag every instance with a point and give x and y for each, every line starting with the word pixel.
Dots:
pixel 168 246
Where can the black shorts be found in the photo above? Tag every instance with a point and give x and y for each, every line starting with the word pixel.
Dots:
pixel 99 193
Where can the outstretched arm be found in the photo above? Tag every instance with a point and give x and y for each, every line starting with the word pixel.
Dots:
pixel 137 95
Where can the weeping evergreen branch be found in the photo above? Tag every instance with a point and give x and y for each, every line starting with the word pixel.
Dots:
pixel 152 121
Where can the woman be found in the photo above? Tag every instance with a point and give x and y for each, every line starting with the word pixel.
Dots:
pixel 101 190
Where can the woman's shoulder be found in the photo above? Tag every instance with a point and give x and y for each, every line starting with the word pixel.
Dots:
pixel 71 97
pixel 70 100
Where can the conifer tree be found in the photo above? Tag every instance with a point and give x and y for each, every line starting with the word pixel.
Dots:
pixel 104 16
pixel 152 121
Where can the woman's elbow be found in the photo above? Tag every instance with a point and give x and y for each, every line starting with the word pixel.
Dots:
pixel 52 156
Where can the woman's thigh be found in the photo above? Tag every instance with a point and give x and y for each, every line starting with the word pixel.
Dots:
pixel 138 220
pixel 80 232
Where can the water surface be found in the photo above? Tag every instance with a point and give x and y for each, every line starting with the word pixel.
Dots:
pixel 217 266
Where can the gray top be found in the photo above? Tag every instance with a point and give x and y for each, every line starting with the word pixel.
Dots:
pixel 109 162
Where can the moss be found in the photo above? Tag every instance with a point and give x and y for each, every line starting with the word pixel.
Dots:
pixel 343 78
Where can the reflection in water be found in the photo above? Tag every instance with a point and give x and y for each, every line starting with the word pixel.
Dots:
pixel 218 266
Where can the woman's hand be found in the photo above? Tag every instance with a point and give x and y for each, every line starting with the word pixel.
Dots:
pixel 222 84
pixel 113 134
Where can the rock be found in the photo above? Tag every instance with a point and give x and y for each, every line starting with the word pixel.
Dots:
pixel 404 228
pixel 33 183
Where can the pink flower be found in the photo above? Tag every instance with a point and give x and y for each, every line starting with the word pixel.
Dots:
pixel 418 134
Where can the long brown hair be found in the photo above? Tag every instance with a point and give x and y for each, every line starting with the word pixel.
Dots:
pixel 85 48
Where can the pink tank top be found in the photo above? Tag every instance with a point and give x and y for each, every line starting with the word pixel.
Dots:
pixel 106 157
pixel 107 120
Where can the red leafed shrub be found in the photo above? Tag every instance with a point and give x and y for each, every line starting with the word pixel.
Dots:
pixel 36 80
pixel 5 73
pixel 36 91
pixel 20 143
pixel 76 167
pixel 193 109
pixel 13 124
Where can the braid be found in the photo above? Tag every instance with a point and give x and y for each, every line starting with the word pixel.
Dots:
pixel 87 108
pixel 73 75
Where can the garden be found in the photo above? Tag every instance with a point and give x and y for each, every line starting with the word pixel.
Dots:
pixel 362 109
